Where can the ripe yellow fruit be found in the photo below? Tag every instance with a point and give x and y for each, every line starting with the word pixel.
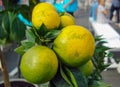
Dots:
pixel 45 14
pixel 74 45
pixel 44 6
pixel 67 19
pixel 39 64
pixel 87 68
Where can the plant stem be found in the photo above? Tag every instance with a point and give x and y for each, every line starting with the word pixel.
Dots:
pixel 4 71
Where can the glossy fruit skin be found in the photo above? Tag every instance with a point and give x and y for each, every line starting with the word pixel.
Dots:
pixel 74 45
pixel 45 13
pixel 87 68
pixel 39 64
pixel 67 20
pixel 44 5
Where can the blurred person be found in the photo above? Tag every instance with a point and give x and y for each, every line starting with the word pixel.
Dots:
pixel 1 5
pixel 102 12
pixel 115 7
pixel 70 6
pixel 82 4
pixel 93 10
pixel 108 4
pixel 59 4
pixel 90 2
pixel 87 4
pixel 76 13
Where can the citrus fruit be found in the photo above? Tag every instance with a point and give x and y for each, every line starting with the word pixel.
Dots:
pixel 44 6
pixel 74 45
pixel 67 19
pixel 87 68
pixel 45 14
pixel 39 64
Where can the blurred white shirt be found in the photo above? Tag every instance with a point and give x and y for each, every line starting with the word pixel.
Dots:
pixel 101 17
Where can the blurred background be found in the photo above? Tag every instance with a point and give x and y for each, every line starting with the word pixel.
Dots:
pixel 82 16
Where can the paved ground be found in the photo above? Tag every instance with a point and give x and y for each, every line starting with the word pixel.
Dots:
pixel 112 77
pixel 109 76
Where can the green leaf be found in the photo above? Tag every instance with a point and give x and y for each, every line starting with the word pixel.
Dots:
pixel 20 50
pixel 37 37
pixel 118 60
pixel 61 13
pixel 42 30
pixel 110 55
pixel 27 44
pixel 98 38
pixel 3 33
pixel 58 81
pixel 77 78
pixel 105 66
pixel 101 43
pixel 17 30
pixel 12 17
pixel 64 76
pixel 52 34
pixel 4 27
pixel 71 77
pixel 6 22
pixel 30 36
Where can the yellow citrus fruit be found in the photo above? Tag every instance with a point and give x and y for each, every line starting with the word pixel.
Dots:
pixel 74 45
pixel 87 68
pixel 67 19
pixel 39 64
pixel 44 14
pixel 44 6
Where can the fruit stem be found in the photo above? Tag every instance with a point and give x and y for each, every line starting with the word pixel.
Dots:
pixel 4 71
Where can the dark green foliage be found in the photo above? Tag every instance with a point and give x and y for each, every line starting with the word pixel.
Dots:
pixel 101 51
pixel 12 29
pixel 69 77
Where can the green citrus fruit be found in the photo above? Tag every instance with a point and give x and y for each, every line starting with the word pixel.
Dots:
pixel 74 45
pixel 45 13
pixel 39 64
pixel 87 68
pixel 67 19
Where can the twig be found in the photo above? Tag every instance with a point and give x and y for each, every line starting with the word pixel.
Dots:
pixel 4 71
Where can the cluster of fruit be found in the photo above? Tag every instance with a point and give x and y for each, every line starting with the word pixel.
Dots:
pixel 72 47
